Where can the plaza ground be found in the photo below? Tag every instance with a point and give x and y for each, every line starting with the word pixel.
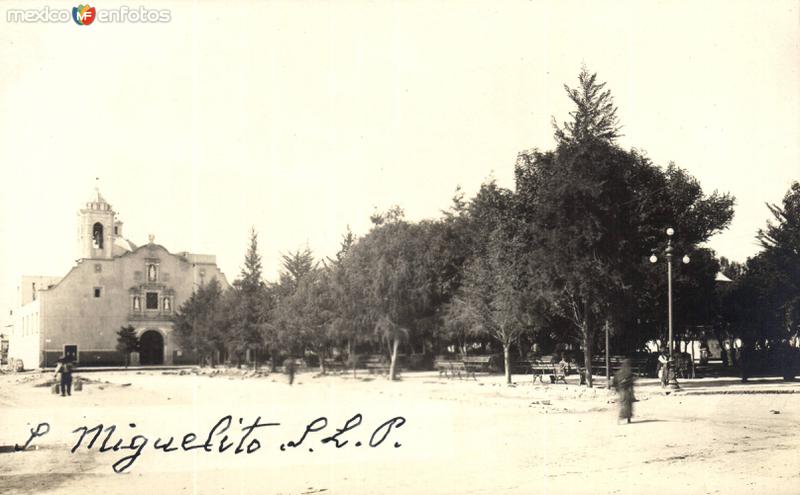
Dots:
pixel 717 435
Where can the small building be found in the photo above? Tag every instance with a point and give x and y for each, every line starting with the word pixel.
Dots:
pixel 114 284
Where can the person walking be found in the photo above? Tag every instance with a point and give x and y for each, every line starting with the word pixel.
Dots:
pixel 63 372
pixel 663 368
pixel 290 370
pixel 623 383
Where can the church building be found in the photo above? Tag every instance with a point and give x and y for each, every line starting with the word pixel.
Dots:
pixel 114 284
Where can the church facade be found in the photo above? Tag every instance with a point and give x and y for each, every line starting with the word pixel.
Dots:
pixel 114 284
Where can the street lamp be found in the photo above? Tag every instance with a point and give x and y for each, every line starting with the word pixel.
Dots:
pixel 668 254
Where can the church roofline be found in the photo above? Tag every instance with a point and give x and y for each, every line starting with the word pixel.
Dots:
pixel 181 255
pixel 74 267
pixel 150 245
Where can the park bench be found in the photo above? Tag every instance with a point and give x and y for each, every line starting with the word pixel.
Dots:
pixel 334 366
pixel 459 369
pixel 452 368
pixel 377 368
pixel 477 364
pixel 444 365
pixel 638 364
pixel 521 367
pixel 378 364
pixel 540 369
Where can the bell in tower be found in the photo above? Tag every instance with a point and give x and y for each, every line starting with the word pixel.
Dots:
pixel 96 227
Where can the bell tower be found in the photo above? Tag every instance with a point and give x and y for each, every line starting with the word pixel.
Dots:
pixel 96 223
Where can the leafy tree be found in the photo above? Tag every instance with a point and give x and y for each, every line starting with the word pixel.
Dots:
pixel 460 323
pixel 200 323
pixel 672 198
pixel 764 303
pixel 127 342
pixel 305 307
pixel 782 234
pixel 390 280
pixel 351 323
pixel 781 242
pixel 581 233
pixel 497 294
pixel 314 312
pixel 451 242
pixel 596 212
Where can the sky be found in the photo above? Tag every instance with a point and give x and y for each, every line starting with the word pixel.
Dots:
pixel 301 118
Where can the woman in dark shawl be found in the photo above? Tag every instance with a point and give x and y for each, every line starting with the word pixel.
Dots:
pixel 623 382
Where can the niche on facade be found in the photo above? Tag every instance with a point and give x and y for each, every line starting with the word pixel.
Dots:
pixel 151 270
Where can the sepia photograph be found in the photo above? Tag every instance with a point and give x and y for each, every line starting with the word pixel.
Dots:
pixel 400 247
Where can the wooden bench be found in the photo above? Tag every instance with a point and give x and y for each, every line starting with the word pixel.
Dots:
pixel 378 364
pixel 521 367
pixel 638 365
pixel 378 368
pixel 443 365
pixel 452 368
pixel 556 372
pixel 459 369
pixel 334 366
pixel 477 364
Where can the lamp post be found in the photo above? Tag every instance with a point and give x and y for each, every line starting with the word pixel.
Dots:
pixel 668 254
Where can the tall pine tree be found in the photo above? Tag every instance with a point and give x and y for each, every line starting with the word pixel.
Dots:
pixel 250 306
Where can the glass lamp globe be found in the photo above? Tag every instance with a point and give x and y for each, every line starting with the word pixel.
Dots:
pixel 670 231
pixel 686 259
pixel 653 258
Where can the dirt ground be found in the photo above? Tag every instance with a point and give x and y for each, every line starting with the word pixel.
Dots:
pixel 459 436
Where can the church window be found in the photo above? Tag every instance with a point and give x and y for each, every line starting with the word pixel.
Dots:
pixel 97 235
pixel 97 291
pixel 116 230
pixel 151 300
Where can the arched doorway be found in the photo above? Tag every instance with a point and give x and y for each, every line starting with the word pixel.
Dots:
pixel 151 348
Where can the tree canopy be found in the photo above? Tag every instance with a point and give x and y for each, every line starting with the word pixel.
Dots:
pixel 561 255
